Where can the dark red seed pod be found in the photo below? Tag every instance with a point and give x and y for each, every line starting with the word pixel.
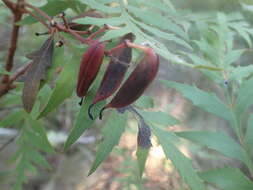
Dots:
pixel 115 71
pixel 137 82
pixel 90 65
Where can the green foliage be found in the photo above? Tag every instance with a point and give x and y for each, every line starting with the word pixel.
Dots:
pixel 206 43
pixel 112 132
pixel 227 179
pixel 182 163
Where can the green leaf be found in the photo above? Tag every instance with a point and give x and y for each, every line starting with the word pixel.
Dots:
pixel 158 117
pixel 51 8
pixel 65 85
pixel 227 179
pixel 142 155
pixel 244 99
pixel 145 102
pixel 111 34
pixel 249 134
pixel 37 135
pixel 37 158
pixel 114 21
pixel 101 7
pixel 218 141
pixel 181 163
pixel 13 118
pixel 158 21
pixel 164 35
pixel 83 121
pixel 239 73
pixel 232 56
pixel 112 132
pixel 206 101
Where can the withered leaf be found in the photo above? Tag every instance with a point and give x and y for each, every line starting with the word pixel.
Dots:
pixel 41 61
pixel 144 135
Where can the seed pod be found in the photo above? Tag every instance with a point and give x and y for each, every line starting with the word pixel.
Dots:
pixel 137 82
pixel 90 65
pixel 115 71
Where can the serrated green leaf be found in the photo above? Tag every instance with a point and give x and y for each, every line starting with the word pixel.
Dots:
pixel 142 155
pixel 83 121
pixel 218 141
pixel 65 86
pixel 37 135
pixel 145 102
pixel 13 118
pixel 227 179
pixel 181 163
pixel 112 132
pixel 233 56
pixel 161 34
pixel 157 20
pixel 199 62
pixel 239 73
pixel 206 101
pixel 113 21
pixel 159 117
pixel 244 99
pixel 101 7
pixel 37 158
pixel 115 33
pixel 242 32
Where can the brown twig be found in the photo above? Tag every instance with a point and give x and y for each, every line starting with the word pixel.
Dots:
pixel 10 5
pixel 14 39
pixel 37 10
pixel 19 72
pixel 37 18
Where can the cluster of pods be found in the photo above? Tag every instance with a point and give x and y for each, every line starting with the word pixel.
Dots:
pixel 120 59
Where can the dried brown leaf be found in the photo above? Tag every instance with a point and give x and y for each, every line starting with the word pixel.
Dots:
pixel 42 60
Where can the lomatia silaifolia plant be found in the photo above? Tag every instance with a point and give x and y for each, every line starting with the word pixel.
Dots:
pixel 104 55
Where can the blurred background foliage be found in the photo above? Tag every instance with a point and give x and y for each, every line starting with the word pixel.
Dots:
pixel 119 171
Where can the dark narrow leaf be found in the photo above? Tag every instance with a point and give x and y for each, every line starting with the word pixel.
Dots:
pixel 227 179
pixel 41 60
pixel 144 144
pixel 144 135
pixel 112 132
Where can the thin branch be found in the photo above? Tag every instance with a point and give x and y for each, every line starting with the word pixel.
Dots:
pixel 42 13
pixel 20 72
pixel 37 18
pixel 14 39
pixel 9 4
